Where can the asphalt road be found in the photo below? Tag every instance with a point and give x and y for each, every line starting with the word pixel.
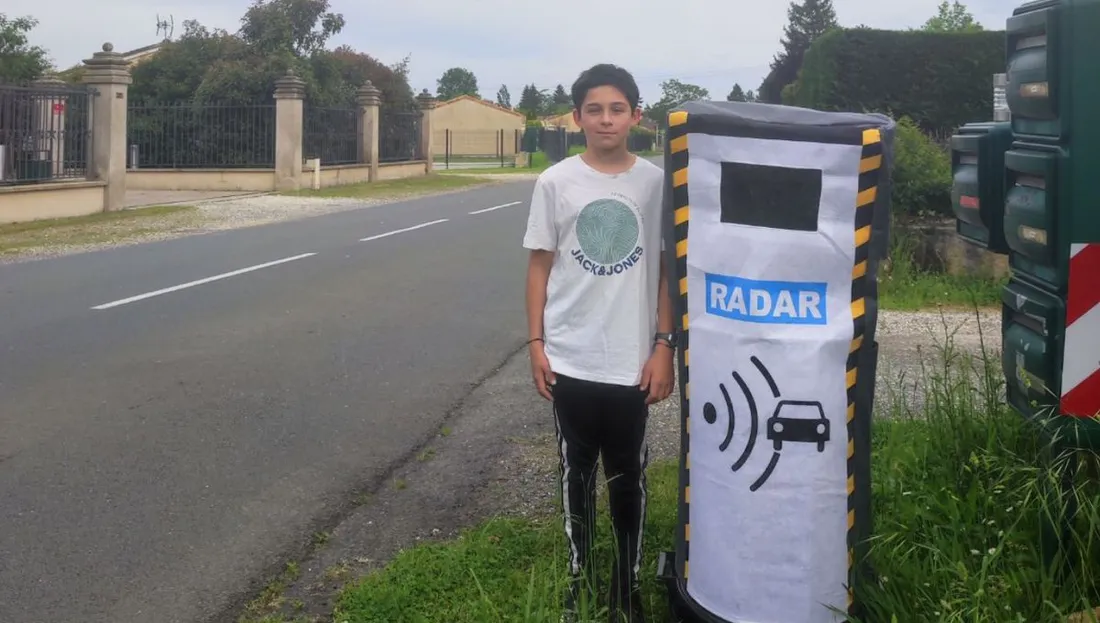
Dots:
pixel 158 452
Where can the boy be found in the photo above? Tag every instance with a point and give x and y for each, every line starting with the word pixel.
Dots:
pixel 600 322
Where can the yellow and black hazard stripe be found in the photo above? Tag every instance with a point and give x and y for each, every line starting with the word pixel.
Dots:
pixel 677 161
pixel 862 288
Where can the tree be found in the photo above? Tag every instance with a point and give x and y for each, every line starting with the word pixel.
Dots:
pixel 673 93
pixel 356 68
pixel 562 97
pixel 556 103
pixel 954 17
pixel 20 61
pixel 737 94
pixel 206 65
pixel 456 81
pixel 532 102
pixel 298 27
pixel 179 69
pixel 805 23
pixel 504 98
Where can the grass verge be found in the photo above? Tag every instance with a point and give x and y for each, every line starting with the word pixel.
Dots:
pixel 959 494
pixel 497 171
pixel 962 496
pixel 539 163
pixel 103 227
pixel 389 189
pixel 506 569
pixel 904 285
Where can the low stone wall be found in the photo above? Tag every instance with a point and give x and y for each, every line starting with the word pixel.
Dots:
pixel 337 175
pixel 32 202
pixel 263 180
pixel 252 180
pixel 939 248
pixel 401 170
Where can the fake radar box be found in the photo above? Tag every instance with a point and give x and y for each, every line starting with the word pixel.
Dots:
pixel 779 217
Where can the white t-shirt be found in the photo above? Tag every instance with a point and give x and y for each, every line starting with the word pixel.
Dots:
pixel 601 307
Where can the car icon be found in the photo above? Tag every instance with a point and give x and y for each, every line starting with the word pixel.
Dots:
pixel 800 421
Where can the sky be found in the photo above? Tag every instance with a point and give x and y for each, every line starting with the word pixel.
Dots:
pixel 711 43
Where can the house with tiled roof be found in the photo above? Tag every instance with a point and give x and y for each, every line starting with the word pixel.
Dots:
pixel 471 126
pixel 137 55
pixel 75 74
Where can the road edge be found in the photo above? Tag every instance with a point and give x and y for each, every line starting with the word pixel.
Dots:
pixel 310 552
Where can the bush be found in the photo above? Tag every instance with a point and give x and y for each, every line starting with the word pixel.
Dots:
pixel 921 174
pixel 940 80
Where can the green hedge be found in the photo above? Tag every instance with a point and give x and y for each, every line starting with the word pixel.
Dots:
pixel 921 174
pixel 939 80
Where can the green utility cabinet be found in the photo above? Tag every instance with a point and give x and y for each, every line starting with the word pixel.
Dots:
pixel 978 188
pixel 1039 53
pixel 1032 338
pixel 1030 188
pixel 1034 214
pixel 1052 210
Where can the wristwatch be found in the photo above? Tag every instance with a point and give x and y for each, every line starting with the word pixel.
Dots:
pixel 669 338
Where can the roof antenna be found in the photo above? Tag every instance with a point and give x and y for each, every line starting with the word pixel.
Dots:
pixel 168 26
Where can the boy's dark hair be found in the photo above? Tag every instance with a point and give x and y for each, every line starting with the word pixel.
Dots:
pixel 608 75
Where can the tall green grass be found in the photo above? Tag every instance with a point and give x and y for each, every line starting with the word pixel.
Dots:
pixel 905 285
pixel 964 489
pixel 962 492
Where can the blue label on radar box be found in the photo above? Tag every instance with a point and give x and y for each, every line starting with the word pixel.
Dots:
pixel 768 302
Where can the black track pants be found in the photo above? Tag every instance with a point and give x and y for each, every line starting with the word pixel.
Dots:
pixel 594 419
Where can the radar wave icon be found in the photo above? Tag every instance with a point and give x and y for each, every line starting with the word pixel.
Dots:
pixel 791 421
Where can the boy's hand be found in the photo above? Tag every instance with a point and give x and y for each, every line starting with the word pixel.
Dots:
pixel 540 370
pixel 657 374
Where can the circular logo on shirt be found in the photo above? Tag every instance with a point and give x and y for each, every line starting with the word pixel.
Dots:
pixel 607 231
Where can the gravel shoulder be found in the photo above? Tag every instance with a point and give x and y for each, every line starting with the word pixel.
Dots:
pixel 31 241
pixel 496 456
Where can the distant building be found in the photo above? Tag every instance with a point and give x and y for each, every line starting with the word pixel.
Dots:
pixel 472 126
pixel 140 54
pixel 74 74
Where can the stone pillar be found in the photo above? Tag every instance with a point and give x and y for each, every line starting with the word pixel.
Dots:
pixel 427 104
pixel 370 98
pixel 50 110
pixel 290 90
pixel 108 75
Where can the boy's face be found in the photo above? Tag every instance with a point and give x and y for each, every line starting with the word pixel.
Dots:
pixel 606 117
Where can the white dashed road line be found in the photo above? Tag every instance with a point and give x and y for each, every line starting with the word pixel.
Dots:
pixel 506 205
pixel 199 282
pixel 401 231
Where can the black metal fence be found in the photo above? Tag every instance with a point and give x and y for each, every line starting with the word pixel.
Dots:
pixel 399 135
pixel 636 142
pixel 45 133
pixel 464 149
pixel 332 134
pixel 558 143
pixel 554 142
pixel 183 135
